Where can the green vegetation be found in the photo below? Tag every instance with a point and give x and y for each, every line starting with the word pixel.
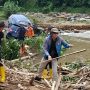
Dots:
pixel 45 6
pixel 75 65
pixel 35 43
pixel 10 8
pixel 10 48
pixel 69 79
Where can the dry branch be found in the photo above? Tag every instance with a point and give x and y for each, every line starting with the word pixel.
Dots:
pixel 53 85
pixel 18 72
pixel 82 86
pixel 24 58
pixel 47 82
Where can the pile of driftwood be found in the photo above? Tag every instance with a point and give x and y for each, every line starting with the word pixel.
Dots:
pixel 21 76
pixel 82 82
pixel 82 79
pixel 81 76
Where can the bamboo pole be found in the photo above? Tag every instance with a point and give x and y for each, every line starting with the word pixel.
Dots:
pixel 61 56
pixel 65 55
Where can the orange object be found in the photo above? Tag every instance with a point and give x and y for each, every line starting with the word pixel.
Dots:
pixel 29 32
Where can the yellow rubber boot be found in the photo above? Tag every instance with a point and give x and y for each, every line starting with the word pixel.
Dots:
pixel 50 73
pixel 2 74
pixel 45 73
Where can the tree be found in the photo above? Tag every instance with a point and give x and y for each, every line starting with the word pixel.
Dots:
pixel 10 8
pixel 57 3
pixel 68 2
pixel 42 3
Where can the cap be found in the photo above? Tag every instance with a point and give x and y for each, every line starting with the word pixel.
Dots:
pixel 54 30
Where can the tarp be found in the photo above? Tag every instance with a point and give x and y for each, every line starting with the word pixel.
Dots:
pixel 18 18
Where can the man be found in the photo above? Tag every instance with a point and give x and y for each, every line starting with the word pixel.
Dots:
pixel 21 36
pixel 2 70
pixel 52 48
pixel 47 72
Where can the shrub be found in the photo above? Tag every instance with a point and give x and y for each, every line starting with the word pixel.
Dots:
pixel 10 49
pixel 35 43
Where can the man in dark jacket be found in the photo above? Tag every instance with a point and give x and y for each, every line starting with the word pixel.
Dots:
pixel 21 36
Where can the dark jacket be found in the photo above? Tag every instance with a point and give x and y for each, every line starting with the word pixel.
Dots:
pixel 21 33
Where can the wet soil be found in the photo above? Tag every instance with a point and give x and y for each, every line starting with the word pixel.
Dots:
pixel 78 44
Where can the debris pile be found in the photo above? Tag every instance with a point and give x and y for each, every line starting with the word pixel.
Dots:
pixel 72 76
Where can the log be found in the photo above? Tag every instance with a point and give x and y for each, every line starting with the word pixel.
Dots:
pixel 22 73
pixel 58 82
pixel 80 70
pixel 23 58
pixel 53 85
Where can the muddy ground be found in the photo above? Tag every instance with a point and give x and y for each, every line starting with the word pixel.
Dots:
pixel 78 44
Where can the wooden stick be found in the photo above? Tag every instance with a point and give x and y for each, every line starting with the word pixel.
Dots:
pixel 65 55
pixel 61 56
pixel 77 86
pixel 79 80
pixel 40 86
pixel 53 85
pixel 47 82
pixel 23 58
